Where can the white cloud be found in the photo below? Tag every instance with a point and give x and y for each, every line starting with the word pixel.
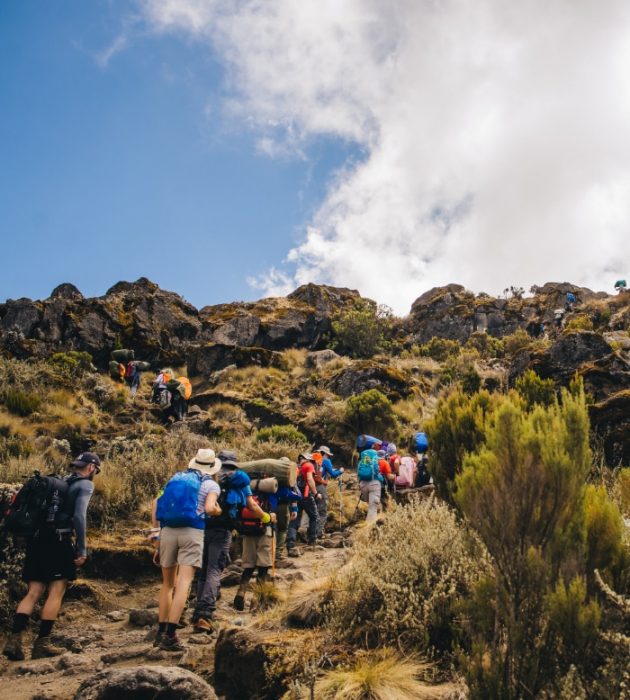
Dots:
pixel 496 134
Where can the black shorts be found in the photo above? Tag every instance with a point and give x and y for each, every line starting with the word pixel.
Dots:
pixel 49 557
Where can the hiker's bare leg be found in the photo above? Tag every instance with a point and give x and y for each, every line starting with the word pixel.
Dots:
pixel 56 590
pixel 184 579
pixel 35 592
pixel 169 576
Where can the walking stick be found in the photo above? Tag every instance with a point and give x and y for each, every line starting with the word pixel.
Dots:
pixel 273 552
pixel 340 503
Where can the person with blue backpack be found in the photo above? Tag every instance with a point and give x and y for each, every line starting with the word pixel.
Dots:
pixel 187 500
pixel 370 482
pixel 235 495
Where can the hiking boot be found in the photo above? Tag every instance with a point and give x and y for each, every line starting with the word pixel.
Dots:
pixel 171 644
pixel 239 601
pixel 158 639
pixel 44 648
pixel 294 553
pixel 13 647
pixel 204 626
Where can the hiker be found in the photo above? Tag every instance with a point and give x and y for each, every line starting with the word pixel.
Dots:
pixel 307 504
pixel 187 499
pixel 160 394
pixel 370 482
pixel 423 478
pixel 285 505
pixel 559 317
pixel 388 478
pixel 393 458
pixel 407 472
pixel 52 559
pixel 256 525
pixel 132 376
pixel 325 471
pixel 235 494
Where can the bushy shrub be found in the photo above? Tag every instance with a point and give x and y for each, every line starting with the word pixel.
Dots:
pixel 404 582
pixel 21 403
pixel 486 345
pixel 371 412
pixel 456 429
pixel 361 329
pixel 281 433
pixel 535 390
pixel 440 349
pixel 524 492
pixel 517 341
pixel 581 322
pixel 73 363
pixel 471 380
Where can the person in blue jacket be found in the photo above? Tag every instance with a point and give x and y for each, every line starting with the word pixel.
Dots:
pixel 327 472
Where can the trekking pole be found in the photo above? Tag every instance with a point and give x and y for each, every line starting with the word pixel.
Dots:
pixel 273 552
pixel 340 503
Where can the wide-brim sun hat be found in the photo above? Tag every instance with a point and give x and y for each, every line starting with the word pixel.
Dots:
pixel 205 461
pixel 306 456
pixel 325 450
pixel 228 459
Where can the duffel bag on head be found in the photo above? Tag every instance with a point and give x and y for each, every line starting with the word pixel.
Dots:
pixel 421 442
pixel 367 442
pixel 122 355
pixel 367 468
pixel 142 366
pixel 114 369
pixel 177 506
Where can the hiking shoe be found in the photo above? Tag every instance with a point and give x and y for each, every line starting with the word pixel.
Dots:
pixel 44 648
pixel 158 639
pixel 203 626
pixel 13 647
pixel 239 602
pixel 171 644
pixel 294 553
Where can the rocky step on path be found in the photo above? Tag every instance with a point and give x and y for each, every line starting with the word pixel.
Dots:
pixel 113 646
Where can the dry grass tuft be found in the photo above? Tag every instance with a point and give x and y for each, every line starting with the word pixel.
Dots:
pixel 306 605
pixel 265 595
pixel 381 676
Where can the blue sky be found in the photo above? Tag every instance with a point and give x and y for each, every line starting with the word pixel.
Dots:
pixel 126 170
pixel 232 149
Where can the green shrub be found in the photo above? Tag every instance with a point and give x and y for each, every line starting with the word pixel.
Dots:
pixel 519 340
pixel 524 493
pixel 440 349
pixel 21 403
pixel 581 322
pixel 456 429
pixel 281 433
pixel 405 580
pixel 72 363
pixel 535 390
pixel 371 412
pixel 486 345
pixel 360 331
pixel 471 381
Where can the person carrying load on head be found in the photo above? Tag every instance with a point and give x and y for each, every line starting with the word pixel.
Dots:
pixel 132 376
pixel 256 524
pixel 55 512
pixel 186 501
pixel 327 471
pixel 234 491
pixel 307 504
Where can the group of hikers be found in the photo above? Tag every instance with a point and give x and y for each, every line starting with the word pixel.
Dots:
pixel 193 521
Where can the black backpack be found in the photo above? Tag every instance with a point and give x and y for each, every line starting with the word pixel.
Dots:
pixel 38 505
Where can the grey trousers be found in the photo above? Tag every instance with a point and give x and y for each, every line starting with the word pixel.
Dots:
pixel 371 494
pixel 216 556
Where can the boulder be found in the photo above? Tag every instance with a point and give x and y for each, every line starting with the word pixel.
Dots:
pixel 363 375
pixel 66 291
pixel 142 682
pixel 320 358
pixel 212 357
pixel 239 648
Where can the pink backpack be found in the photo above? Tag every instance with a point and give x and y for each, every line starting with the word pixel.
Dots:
pixel 405 472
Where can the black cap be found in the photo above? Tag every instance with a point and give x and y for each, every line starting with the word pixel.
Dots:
pixel 86 458
pixel 228 458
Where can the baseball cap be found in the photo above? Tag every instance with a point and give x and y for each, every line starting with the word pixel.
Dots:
pixel 86 458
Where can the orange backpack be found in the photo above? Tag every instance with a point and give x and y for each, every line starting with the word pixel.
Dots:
pixel 187 386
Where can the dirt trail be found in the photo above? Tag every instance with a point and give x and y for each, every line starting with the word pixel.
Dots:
pixel 100 636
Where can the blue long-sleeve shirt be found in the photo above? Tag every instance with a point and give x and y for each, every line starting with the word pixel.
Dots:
pixel 329 471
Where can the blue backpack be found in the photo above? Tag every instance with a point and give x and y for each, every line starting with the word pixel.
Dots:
pixel 367 469
pixel 421 442
pixel 177 506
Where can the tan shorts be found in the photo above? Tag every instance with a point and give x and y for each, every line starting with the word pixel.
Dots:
pixel 181 545
pixel 256 551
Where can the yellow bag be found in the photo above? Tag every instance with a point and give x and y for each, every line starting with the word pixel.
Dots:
pixel 187 386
